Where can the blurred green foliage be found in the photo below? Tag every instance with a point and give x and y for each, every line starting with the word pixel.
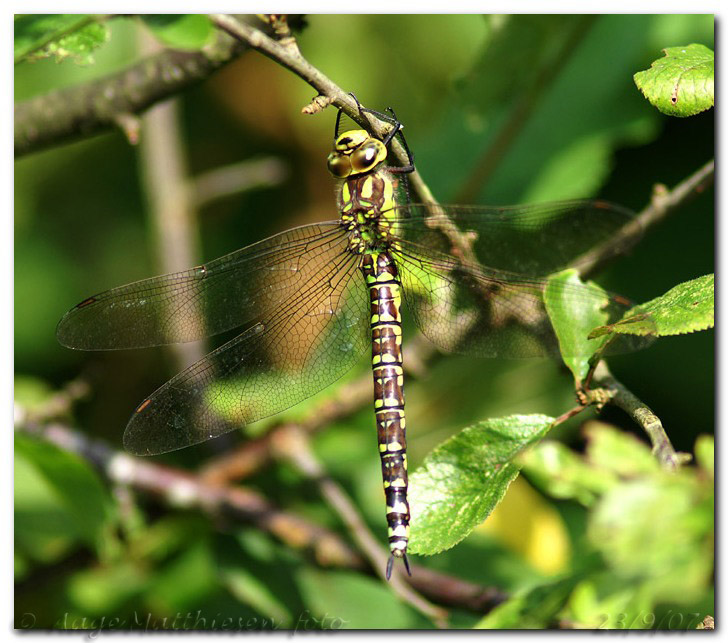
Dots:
pixel 648 537
pixel 638 542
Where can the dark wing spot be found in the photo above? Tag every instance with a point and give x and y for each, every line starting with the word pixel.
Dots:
pixel 143 405
pixel 86 302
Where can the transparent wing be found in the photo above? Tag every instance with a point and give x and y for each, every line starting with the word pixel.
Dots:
pixel 207 300
pixel 296 349
pixel 497 309
pixel 535 240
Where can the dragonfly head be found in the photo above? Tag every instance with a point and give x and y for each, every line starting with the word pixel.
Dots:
pixel 355 152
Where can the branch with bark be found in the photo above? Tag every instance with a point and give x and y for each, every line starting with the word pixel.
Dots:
pixel 112 101
pixel 178 488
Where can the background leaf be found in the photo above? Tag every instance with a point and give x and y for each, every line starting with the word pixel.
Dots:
pixel 657 529
pixel 681 83
pixel 79 45
pixel 35 31
pixel 463 479
pixel 59 501
pixel 561 473
pixel 535 608
pixel 180 31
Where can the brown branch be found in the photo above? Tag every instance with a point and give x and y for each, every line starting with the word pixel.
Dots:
pixel 348 399
pixel 287 54
pixel 620 396
pixel 177 488
pixel 662 203
pixel 95 107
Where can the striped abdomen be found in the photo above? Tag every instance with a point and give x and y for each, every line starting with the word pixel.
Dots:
pixel 386 326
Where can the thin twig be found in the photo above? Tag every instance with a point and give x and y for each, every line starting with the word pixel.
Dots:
pixel 294 445
pixel 232 179
pixel 568 414
pixel 178 488
pixel 662 203
pixel 58 405
pixel 644 416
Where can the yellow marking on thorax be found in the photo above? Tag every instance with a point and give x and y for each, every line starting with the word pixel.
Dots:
pixel 367 188
pixel 388 198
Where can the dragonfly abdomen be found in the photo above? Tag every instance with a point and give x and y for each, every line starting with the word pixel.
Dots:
pixel 384 287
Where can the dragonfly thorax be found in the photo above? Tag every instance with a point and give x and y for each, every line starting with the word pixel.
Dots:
pixel 367 204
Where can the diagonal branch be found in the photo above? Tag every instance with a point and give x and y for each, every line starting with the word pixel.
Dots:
pixel 294 445
pixel 95 107
pixel 178 488
pixel 287 54
pixel 662 203
pixel 622 397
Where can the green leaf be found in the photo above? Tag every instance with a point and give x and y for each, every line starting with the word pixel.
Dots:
pixel 251 590
pixel 105 588
pixel 34 31
pixel 63 36
pixel 79 46
pixel 705 453
pixel 574 317
pixel 347 600
pixel 465 477
pixel 658 530
pixel 577 130
pixel 32 392
pixel 617 452
pixel 681 83
pixel 59 500
pixel 184 582
pixel 686 308
pixel 561 473
pixel 535 608
pixel 606 602
pixel 181 31
pixel 519 46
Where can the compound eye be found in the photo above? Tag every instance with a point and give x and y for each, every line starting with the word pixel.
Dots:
pixel 339 165
pixel 366 157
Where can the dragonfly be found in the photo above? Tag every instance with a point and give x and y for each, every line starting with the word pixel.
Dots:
pixel 311 300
